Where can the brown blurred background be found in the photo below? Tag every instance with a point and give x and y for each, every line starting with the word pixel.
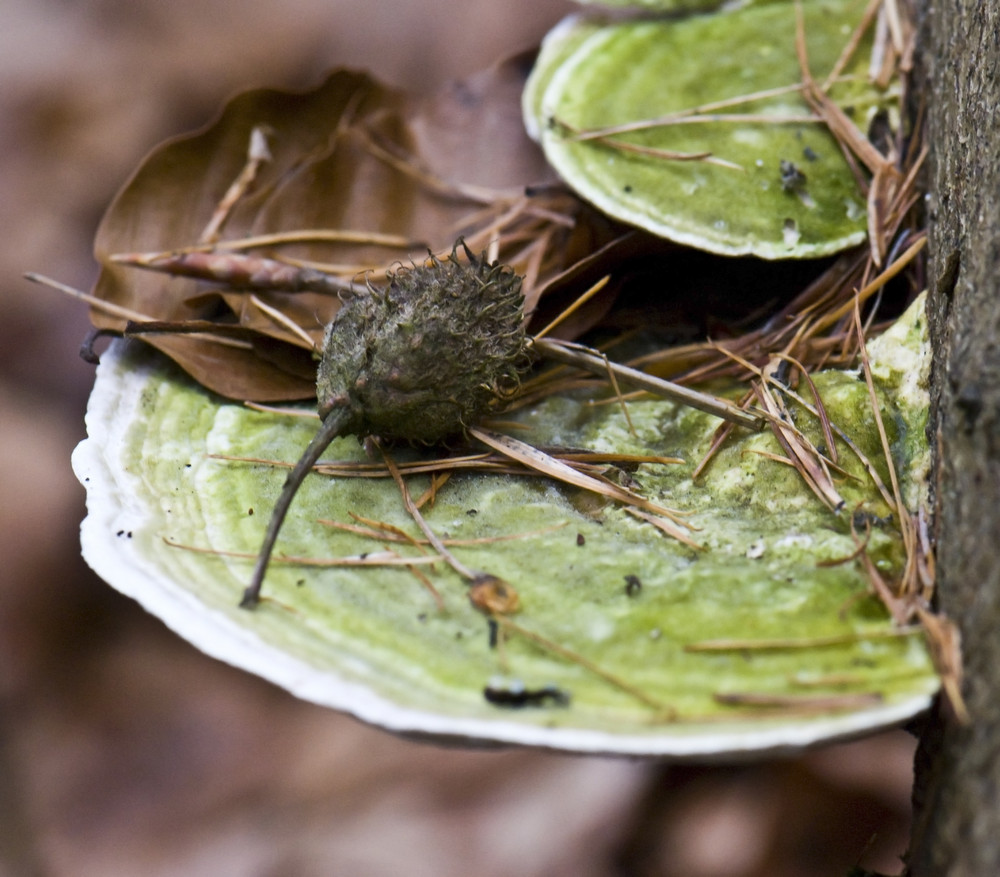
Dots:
pixel 123 750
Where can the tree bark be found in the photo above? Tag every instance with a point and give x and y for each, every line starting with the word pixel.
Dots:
pixel 957 790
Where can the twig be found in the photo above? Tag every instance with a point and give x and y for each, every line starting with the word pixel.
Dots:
pixel 583 357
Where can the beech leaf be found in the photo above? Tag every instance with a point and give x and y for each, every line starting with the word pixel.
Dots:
pixel 355 176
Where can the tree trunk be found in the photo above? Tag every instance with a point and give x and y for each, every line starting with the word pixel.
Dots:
pixel 957 791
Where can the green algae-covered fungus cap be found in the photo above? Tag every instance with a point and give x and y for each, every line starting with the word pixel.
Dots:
pixel 736 162
pixel 761 636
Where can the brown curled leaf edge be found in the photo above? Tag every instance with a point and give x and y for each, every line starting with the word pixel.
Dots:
pixel 356 177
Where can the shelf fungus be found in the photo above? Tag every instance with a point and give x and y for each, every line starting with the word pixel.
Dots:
pixel 679 124
pixel 719 655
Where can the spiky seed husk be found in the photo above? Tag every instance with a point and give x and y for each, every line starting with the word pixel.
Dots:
pixel 436 350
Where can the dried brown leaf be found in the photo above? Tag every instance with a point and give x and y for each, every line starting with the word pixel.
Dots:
pixel 351 156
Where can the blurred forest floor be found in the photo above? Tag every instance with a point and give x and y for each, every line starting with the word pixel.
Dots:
pixel 122 749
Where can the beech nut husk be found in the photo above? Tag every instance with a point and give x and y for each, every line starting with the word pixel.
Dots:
pixel 436 350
